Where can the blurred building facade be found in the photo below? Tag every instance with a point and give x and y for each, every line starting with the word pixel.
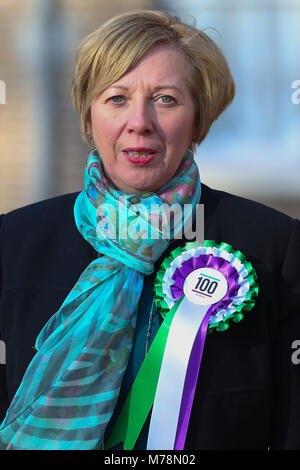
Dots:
pixel 41 150
pixel 251 150
pixel 254 148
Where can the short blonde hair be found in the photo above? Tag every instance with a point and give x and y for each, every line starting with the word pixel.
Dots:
pixel 108 53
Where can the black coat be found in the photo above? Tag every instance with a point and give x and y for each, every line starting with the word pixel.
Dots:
pixel 248 393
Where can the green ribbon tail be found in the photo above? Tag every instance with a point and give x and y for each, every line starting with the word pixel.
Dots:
pixel 141 396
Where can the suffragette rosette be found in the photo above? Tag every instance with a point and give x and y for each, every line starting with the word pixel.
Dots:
pixel 198 289
pixel 239 299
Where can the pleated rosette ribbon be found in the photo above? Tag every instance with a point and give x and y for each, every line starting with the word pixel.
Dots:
pixel 198 290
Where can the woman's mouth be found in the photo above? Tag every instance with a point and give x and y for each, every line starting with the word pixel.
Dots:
pixel 140 156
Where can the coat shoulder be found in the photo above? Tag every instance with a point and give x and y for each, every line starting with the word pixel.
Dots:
pixel 254 228
pixel 42 211
pixel 234 210
pixel 47 217
pixel 40 245
pixel 46 223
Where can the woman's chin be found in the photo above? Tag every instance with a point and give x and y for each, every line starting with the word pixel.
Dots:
pixel 138 183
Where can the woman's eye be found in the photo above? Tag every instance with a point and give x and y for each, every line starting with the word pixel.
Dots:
pixel 166 99
pixel 117 99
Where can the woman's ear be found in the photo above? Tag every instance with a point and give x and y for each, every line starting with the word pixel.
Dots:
pixel 89 126
pixel 89 121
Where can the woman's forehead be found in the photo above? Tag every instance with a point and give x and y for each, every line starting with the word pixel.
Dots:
pixel 162 67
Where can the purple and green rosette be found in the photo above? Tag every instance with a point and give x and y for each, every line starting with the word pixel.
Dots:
pixel 232 263
pixel 198 289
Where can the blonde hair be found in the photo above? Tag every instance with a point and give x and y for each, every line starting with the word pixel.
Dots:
pixel 108 53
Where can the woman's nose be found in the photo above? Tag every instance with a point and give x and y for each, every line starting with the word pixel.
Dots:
pixel 140 118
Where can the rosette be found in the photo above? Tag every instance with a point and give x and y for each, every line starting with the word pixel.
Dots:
pixel 198 289
pixel 239 273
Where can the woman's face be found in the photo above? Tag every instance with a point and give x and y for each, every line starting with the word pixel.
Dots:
pixel 143 124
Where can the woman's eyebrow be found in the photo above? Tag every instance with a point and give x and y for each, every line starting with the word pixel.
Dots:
pixel 118 86
pixel 164 87
pixel 156 88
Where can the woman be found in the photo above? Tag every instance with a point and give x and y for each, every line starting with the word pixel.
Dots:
pixel 147 88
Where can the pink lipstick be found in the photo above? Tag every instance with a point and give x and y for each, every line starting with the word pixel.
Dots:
pixel 139 155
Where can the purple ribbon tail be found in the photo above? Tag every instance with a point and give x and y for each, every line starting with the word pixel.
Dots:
pixel 190 383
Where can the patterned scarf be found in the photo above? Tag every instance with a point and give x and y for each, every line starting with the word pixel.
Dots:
pixel 70 388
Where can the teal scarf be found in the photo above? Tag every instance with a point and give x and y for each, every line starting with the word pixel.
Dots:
pixel 70 388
